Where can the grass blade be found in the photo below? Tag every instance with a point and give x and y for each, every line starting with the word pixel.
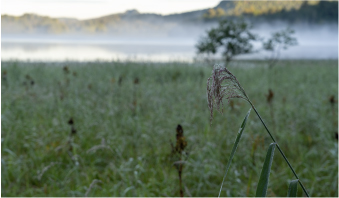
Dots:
pixel 265 172
pixel 235 147
pixel 293 188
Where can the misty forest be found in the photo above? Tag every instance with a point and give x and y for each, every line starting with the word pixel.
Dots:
pixel 235 100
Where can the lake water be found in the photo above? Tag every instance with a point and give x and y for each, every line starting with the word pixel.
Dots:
pixel 61 48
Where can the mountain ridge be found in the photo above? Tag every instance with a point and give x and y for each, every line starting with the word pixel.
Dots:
pixel 133 22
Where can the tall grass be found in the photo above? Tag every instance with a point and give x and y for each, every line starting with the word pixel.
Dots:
pixel 223 84
pixel 133 159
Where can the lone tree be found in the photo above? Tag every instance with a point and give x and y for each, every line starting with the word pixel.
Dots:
pixel 279 41
pixel 234 37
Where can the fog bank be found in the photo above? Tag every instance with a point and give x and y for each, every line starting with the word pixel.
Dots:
pixel 314 42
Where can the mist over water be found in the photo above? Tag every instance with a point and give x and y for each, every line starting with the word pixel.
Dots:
pixel 314 41
pixel 177 44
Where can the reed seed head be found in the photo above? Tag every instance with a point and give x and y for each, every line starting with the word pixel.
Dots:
pixel 66 70
pixel 270 96
pixel 181 142
pixel 222 84
pixel 70 121
pixel 73 131
pixel 332 100
pixel 120 80
pixel 136 81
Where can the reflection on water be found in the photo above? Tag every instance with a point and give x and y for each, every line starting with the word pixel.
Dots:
pixel 61 49
pixel 88 52
pixel 47 49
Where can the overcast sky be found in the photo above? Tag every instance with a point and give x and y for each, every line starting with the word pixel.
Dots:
pixel 85 9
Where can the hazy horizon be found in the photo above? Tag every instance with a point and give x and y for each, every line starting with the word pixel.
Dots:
pixel 147 37
pixel 89 9
pixel 314 42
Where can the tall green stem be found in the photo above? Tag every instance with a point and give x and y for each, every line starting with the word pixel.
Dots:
pixel 295 174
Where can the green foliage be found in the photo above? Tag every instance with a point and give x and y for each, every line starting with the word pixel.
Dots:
pixel 237 140
pixel 265 172
pixel 293 188
pixel 233 36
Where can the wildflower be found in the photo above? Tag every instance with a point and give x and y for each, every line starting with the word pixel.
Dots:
pixel 222 84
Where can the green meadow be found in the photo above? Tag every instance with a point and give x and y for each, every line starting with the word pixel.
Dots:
pixel 65 125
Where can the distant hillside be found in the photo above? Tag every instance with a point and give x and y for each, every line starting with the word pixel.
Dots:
pixel 256 8
pixel 323 12
pixel 30 23
pixel 134 23
pixel 290 11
